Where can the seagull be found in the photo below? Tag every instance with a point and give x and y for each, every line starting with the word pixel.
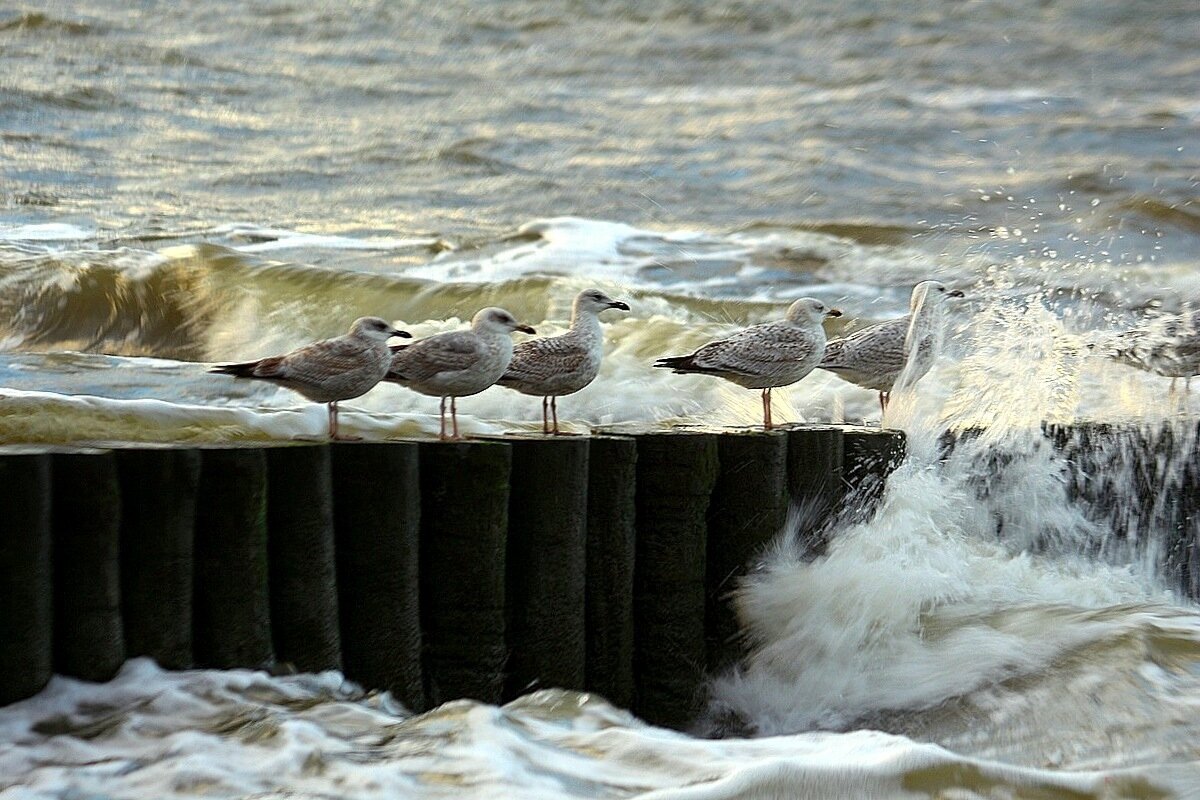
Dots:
pixel 559 365
pixel 764 356
pixel 875 356
pixel 330 370
pixel 457 363
pixel 1167 346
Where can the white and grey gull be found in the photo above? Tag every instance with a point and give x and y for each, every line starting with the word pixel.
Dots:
pixel 1167 346
pixel 457 363
pixel 764 356
pixel 560 365
pixel 330 370
pixel 874 357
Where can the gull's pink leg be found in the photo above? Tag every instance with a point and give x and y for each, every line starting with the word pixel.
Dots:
pixel 554 413
pixel 442 420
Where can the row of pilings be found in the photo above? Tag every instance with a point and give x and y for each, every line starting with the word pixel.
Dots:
pixel 1137 482
pixel 436 570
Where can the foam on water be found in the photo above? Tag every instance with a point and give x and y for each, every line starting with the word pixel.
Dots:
pixel 765 266
pixel 980 571
pixel 265 240
pixel 154 734
pixel 47 232
pixel 919 605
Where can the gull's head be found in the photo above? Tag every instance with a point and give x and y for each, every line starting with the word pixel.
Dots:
pixel 809 310
pixel 497 320
pixel 593 301
pixel 377 329
pixel 930 293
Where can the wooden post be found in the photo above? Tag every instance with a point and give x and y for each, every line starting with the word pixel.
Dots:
pixel 547 564
pixel 1169 483
pixel 158 515
pixel 747 511
pixel 377 518
pixel 611 539
pixel 869 456
pixel 232 604
pixel 816 486
pixel 89 640
pixel 26 586
pixel 303 577
pixel 464 495
pixel 676 473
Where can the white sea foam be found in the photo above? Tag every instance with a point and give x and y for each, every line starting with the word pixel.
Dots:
pixel 266 240
pixel 947 589
pixel 237 733
pixel 45 232
pixel 919 605
pixel 684 262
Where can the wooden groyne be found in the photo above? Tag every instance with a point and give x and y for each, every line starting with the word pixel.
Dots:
pixel 436 570
pixel 1139 483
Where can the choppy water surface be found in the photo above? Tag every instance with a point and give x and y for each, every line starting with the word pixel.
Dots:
pixel 191 182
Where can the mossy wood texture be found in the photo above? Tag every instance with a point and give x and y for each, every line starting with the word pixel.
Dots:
pixel 611 542
pixel 676 473
pixel 232 620
pixel 464 527
pixel 158 515
pixel 303 576
pixel 547 565
pixel 747 511
pixel 377 517
pixel 26 577
pixel 89 640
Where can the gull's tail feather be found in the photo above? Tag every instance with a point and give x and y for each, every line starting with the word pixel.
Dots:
pixel 263 368
pixel 682 364
pixel 676 363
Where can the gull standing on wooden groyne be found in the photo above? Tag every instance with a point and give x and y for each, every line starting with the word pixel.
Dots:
pixel 764 356
pixel 458 363
pixel 1167 346
pixel 875 356
pixel 552 367
pixel 331 370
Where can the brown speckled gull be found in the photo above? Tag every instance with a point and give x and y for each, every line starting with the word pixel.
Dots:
pixel 330 370
pixel 559 365
pixel 764 356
